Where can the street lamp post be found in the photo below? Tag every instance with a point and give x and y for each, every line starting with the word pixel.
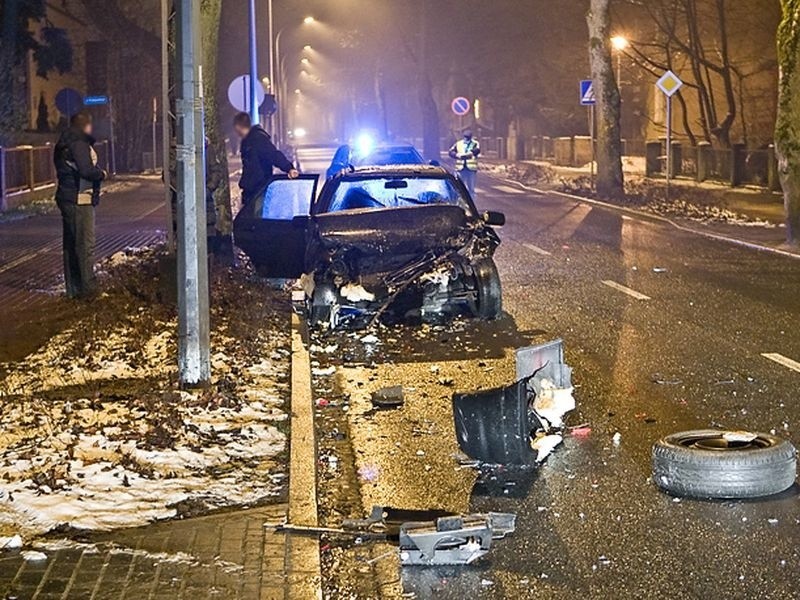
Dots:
pixel 276 62
pixel 620 44
pixel 253 61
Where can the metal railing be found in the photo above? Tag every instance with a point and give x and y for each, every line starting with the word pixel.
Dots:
pixel 25 169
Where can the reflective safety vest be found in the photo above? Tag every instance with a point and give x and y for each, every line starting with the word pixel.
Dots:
pixel 466 147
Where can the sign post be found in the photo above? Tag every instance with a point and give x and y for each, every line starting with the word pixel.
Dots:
pixel 460 107
pixel 589 100
pixel 669 84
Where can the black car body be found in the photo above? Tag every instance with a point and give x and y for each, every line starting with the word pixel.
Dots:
pixel 378 243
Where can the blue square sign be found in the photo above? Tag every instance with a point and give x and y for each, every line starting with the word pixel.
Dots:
pixel 587 93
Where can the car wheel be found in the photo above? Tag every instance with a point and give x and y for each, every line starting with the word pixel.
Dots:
pixel 723 464
pixel 489 301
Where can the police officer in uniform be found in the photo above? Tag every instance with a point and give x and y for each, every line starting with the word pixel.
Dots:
pixel 465 152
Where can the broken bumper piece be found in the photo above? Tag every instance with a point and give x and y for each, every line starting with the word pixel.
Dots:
pixel 496 426
pixel 453 540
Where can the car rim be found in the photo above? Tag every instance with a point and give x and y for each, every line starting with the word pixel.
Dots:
pixel 719 443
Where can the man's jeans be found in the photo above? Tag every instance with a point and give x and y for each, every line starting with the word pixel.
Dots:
pixel 468 177
pixel 78 225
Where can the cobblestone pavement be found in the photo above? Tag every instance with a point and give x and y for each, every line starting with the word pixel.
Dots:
pixel 225 556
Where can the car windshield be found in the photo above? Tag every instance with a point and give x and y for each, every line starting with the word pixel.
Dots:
pixel 395 192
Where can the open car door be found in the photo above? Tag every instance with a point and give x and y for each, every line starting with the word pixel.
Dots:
pixel 271 230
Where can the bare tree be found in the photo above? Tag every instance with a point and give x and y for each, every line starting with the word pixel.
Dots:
pixel 610 183
pixel 787 129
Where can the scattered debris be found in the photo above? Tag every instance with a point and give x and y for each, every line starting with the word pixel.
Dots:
pixel 388 397
pixel 356 293
pixel 33 556
pixel 545 444
pixel 326 372
pixel 617 439
pixel 370 339
pixel 12 542
pixel 496 426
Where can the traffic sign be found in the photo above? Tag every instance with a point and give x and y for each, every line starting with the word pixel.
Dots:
pixel 239 93
pixel 669 83
pixel 69 102
pixel 587 93
pixel 460 106
pixel 95 101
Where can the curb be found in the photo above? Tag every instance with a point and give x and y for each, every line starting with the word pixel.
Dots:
pixel 302 552
pixel 653 217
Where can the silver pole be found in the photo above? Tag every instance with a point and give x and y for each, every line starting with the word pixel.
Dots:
pixel 194 366
pixel 253 64
pixel 669 142
pixel 166 122
pixel 113 148
pixel 155 134
pixel 271 58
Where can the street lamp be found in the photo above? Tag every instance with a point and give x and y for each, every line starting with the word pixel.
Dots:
pixel 275 62
pixel 309 20
pixel 304 61
pixel 620 44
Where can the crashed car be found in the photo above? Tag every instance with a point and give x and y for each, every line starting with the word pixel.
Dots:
pixel 378 243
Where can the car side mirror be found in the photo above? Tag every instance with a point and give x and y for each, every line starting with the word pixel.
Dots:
pixel 300 222
pixel 491 217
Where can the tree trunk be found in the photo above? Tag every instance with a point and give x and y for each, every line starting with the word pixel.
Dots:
pixel 9 115
pixel 787 128
pixel 610 183
pixel 211 11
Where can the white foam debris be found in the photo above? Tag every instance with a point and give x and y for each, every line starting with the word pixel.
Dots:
pixel 33 556
pixel 545 444
pixel 356 293
pixel 12 542
pixel 553 402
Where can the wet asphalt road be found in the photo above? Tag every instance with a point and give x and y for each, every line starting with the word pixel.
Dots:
pixel 590 523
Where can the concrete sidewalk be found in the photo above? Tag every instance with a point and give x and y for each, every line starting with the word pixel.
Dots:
pixel 131 214
pixel 228 556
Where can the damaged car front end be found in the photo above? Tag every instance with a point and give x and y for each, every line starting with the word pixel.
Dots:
pixel 390 244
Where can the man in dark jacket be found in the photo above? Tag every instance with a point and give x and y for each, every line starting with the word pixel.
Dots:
pixel 77 194
pixel 259 158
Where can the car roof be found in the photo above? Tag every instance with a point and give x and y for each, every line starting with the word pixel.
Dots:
pixel 394 171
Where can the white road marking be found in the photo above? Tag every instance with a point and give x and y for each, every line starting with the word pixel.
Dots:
pixel 507 189
pixel 625 290
pixel 783 361
pixel 537 250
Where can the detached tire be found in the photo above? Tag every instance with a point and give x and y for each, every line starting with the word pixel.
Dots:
pixel 489 301
pixel 722 464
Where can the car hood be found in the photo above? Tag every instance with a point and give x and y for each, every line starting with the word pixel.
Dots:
pixel 404 230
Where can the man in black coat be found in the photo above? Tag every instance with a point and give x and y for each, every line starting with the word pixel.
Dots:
pixel 259 158
pixel 77 194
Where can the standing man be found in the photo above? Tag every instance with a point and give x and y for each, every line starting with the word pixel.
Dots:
pixel 259 157
pixel 77 195
pixel 465 152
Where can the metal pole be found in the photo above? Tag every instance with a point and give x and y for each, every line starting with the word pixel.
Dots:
pixel 271 58
pixel 591 141
pixel 155 134
pixel 669 142
pixel 275 88
pixel 194 366
pixel 166 122
pixel 253 64
pixel 113 144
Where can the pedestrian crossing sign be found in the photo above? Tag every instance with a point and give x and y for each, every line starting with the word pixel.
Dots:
pixel 669 83
pixel 587 93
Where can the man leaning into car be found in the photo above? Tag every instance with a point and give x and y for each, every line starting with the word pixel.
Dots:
pixel 259 158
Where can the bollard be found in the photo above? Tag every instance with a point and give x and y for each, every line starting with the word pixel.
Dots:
pixel 738 164
pixel 773 176
pixel 704 158
pixel 676 159
pixel 652 158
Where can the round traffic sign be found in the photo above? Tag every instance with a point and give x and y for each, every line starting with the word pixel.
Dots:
pixel 460 106
pixel 239 93
pixel 69 102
